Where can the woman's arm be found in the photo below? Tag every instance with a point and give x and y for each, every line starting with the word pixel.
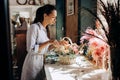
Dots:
pixel 52 44
pixel 47 43
pixel 31 38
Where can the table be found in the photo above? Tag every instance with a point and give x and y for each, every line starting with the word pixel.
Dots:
pixel 81 70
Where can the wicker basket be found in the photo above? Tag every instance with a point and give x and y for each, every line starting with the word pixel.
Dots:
pixel 66 60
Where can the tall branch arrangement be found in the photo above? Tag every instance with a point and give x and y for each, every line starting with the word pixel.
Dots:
pixel 111 13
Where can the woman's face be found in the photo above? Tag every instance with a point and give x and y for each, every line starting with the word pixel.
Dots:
pixel 51 18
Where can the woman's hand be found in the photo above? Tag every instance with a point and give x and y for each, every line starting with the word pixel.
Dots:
pixel 50 42
pixel 57 44
pixel 63 42
pixel 53 44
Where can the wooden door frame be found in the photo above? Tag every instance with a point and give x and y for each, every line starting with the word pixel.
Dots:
pixel 5 42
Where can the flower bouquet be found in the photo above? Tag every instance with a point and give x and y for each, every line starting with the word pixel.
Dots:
pixel 98 49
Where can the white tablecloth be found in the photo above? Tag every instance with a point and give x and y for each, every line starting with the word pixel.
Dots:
pixel 82 70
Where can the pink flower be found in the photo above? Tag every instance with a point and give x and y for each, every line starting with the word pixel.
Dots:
pixel 75 48
pixel 97 47
pixel 88 34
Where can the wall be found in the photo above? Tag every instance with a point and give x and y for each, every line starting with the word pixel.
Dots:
pixel 71 22
pixel 60 5
pixel 85 18
pixel 66 25
pixel 72 25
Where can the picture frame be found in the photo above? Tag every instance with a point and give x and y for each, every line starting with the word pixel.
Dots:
pixel 70 7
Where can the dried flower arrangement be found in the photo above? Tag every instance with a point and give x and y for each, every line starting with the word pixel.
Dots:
pixel 111 13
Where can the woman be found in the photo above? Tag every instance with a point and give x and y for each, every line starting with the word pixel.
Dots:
pixel 38 42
